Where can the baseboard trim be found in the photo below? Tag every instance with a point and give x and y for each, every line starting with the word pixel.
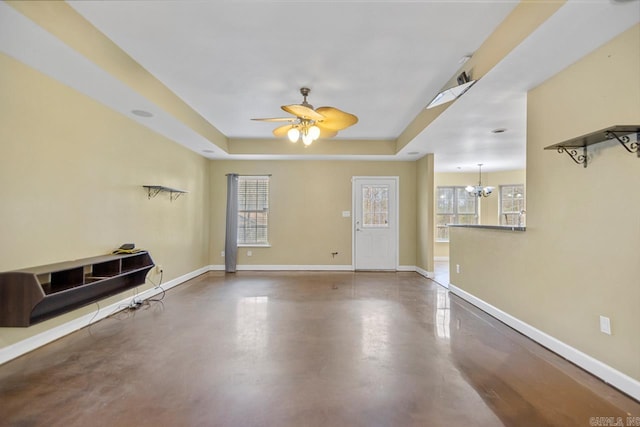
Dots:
pixel 601 370
pixel 244 267
pixel 219 267
pixel 27 345
pixel 425 273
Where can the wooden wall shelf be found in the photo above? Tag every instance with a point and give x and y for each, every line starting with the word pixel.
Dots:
pixel 35 294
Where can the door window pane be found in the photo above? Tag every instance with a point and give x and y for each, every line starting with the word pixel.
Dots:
pixel 375 206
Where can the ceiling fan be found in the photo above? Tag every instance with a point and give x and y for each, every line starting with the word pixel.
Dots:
pixel 309 123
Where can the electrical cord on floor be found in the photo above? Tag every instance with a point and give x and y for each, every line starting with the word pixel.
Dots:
pixel 94 314
pixel 137 303
pixel 159 285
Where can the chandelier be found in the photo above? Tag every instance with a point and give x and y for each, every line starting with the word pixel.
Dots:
pixel 305 129
pixel 479 190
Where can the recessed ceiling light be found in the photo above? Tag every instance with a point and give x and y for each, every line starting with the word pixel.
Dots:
pixel 499 130
pixel 208 151
pixel 413 153
pixel 142 113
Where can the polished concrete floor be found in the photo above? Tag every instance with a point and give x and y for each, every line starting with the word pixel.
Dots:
pixel 441 273
pixel 302 349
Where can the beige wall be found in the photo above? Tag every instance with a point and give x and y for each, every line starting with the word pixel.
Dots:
pixel 578 258
pixel 306 203
pixel 71 185
pixel 425 213
pixel 72 174
pixel 489 209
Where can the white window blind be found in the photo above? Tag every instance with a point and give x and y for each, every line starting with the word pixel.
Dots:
pixel 253 210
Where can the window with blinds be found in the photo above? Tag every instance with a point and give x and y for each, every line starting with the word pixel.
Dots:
pixel 253 210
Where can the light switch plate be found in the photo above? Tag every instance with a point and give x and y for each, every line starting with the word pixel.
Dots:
pixel 346 214
pixel 605 325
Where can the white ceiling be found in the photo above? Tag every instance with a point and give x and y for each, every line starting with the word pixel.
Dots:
pixel 381 60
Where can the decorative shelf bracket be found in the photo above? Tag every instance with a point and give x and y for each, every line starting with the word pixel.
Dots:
pixel 154 190
pixel 581 159
pixel 624 140
pixel 619 133
pixel 173 195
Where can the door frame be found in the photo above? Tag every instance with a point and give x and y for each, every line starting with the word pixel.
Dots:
pixel 396 209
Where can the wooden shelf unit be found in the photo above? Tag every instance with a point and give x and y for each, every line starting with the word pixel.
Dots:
pixel 32 295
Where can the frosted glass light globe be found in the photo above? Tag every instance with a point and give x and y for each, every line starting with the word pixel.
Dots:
pixel 314 132
pixel 293 134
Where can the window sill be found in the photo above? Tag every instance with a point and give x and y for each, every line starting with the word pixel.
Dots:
pixel 253 245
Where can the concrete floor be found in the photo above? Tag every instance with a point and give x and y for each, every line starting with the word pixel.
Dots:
pixel 302 349
pixel 441 273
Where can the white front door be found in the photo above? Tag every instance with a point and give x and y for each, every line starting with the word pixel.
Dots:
pixel 375 223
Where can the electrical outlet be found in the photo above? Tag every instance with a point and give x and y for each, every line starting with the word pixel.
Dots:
pixel 457 268
pixel 159 269
pixel 249 253
pixel 605 325
pixel 222 253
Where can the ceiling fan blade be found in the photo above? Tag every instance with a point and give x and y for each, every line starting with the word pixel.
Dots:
pixel 277 119
pixel 281 131
pixel 336 119
pixel 302 111
pixel 326 132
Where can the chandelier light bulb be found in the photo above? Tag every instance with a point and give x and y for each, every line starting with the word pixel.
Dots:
pixel 469 188
pixel 293 134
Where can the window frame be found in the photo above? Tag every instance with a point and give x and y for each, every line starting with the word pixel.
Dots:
pixel 501 212
pixel 262 206
pixel 455 214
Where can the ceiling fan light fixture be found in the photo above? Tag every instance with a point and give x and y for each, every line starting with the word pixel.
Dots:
pixel 293 134
pixel 314 132
pixel 310 124
pixel 307 139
